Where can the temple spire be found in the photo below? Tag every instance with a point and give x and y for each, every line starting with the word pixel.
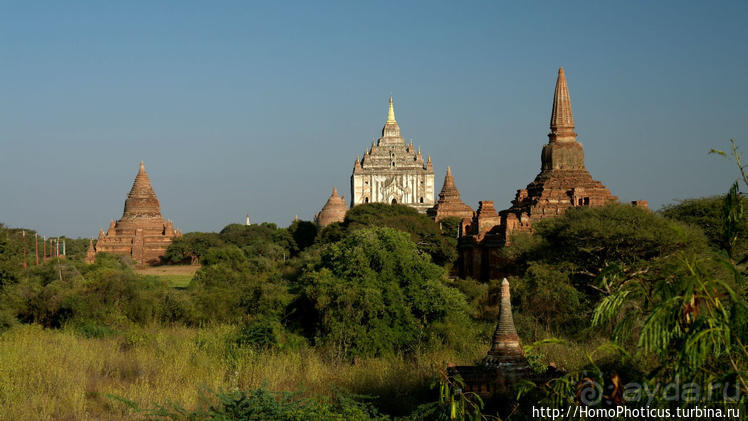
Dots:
pixel 141 202
pixel 391 112
pixel 449 190
pixel 562 119
pixel 506 349
pixel 391 130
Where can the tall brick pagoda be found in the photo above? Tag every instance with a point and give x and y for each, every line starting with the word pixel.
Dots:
pixel 333 211
pixel 142 233
pixel 449 203
pixel 563 182
pixel 392 171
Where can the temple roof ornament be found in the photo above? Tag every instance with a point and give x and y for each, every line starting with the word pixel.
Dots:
pixel 391 112
pixel 391 130
pixel 562 119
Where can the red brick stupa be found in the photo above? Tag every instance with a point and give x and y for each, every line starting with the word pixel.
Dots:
pixel 450 204
pixel 563 181
pixel 142 233
pixel 333 211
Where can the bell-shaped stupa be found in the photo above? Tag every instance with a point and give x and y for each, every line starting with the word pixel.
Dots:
pixel 333 211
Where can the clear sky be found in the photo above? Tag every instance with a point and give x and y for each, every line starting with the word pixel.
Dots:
pixel 240 107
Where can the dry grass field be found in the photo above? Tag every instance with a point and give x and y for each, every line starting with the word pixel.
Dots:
pixel 59 375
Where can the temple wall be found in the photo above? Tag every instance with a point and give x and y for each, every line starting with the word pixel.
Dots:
pixel 407 188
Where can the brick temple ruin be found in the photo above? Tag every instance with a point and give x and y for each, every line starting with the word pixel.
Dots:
pixel 563 182
pixel 142 233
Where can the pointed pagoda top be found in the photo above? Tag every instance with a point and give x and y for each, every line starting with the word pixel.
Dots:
pixel 391 112
pixel 449 203
pixel 562 119
pixel 391 130
pixel 141 202
pixel 449 190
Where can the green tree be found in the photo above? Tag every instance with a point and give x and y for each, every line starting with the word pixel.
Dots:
pixel 227 289
pixel 373 293
pixel 191 247
pixel 11 259
pixel 303 233
pixel 707 214
pixel 422 230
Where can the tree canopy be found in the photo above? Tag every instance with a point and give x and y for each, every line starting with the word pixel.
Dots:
pixel 374 292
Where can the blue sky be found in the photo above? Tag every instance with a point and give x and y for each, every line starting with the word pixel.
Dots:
pixel 240 107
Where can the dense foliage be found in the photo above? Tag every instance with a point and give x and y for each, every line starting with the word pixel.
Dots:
pixel 374 293
pixel 441 246
pixel 574 260
pixel 708 214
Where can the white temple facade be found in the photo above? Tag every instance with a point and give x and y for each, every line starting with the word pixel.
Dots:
pixel 392 171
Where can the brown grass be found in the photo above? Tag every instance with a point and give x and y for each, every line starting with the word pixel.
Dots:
pixel 57 374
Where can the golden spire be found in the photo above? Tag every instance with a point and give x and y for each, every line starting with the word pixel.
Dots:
pixel 562 119
pixel 391 112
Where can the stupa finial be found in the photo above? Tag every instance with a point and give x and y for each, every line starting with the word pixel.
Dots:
pixel 391 111
pixel 562 119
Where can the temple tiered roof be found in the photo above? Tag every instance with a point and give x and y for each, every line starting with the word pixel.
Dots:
pixel 449 203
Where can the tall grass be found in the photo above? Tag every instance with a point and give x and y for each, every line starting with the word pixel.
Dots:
pixel 59 374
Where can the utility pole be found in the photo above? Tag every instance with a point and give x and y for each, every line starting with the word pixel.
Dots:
pixel 36 248
pixel 44 251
